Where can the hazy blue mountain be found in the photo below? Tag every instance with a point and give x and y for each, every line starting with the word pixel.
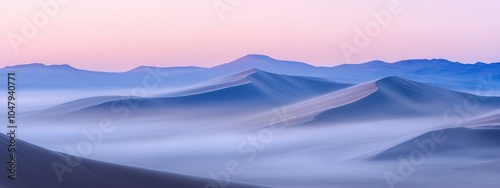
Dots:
pixel 268 64
pixel 439 72
pixel 40 76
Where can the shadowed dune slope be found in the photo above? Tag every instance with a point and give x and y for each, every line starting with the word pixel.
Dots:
pixel 469 143
pixel 35 169
pixel 253 89
pixel 400 98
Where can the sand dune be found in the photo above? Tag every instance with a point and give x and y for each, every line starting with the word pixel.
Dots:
pixel 465 143
pixel 35 169
pixel 401 98
pixel 72 106
pixel 278 87
pixel 256 90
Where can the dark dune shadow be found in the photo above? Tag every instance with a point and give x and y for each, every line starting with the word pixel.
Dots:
pixel 35 170
pixel 480 143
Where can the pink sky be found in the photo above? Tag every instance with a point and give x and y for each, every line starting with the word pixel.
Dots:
pixel 118 35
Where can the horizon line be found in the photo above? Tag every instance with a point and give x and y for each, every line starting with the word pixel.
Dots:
pixel 248 56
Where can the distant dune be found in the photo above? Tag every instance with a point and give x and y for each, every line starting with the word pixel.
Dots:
pixel 401 98
pixel 254 89
pixel 259 83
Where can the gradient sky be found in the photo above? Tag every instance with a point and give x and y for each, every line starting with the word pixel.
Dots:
pixel 118 35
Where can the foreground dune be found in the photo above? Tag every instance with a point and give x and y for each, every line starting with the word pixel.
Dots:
pixel 35 168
